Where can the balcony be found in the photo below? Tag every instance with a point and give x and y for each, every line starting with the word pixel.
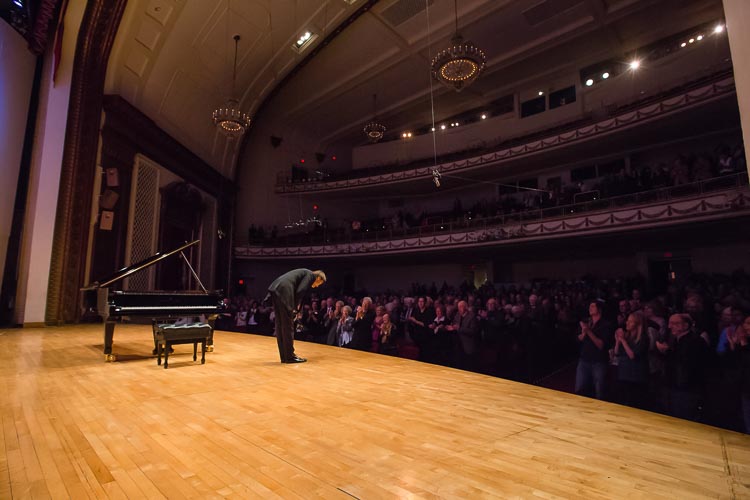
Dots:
pixel 476 163
pixel 711 199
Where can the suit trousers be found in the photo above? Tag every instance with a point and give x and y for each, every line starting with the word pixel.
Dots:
pixel 284 329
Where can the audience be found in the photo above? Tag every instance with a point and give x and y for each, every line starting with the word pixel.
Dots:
pixel 696 365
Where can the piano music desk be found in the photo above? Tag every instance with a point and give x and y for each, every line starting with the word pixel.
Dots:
pixel 167 335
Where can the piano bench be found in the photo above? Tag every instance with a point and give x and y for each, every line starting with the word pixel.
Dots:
pixel 167 335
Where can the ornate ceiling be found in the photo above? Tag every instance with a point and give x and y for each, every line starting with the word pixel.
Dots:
pixel 172 59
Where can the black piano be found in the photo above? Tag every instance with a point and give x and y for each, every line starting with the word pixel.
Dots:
pixel 160 306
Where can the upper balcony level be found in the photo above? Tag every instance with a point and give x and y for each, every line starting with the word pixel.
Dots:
pixel 723 197
pixel 705 104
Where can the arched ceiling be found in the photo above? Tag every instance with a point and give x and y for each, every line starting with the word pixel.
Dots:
pixel 172 59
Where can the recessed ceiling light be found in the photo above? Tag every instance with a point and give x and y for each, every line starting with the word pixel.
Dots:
pixel 683 44
pixel 699 37
pixel 691 40
pixel 541 92
pixel 589 82
pixel 484 117
pixel 605 75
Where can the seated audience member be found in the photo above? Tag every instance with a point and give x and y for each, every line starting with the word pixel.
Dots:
pixel 685 360
pixel 345 327
pixel 596 339
pixel 631 352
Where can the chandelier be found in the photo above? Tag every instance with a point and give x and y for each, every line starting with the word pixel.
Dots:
pixel 374 130
pixel 460 64
pixel 230 120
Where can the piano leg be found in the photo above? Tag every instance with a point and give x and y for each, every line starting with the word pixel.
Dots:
pixel 211 323
pixel 109 332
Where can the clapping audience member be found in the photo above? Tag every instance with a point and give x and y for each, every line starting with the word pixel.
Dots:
pixel 631 352
pixel 376 323
pixel 596 339
pixel 331 323
pixel 465 328
pixel 684 368
pixel 388 336
pixel 440 336
pixel 345 327
pixel 362 339
pixel 739 353
pixel 419 321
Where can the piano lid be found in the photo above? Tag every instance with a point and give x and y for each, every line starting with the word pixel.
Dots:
pixel 127 271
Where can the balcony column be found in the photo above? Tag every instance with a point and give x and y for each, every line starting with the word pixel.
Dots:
pixel 737 13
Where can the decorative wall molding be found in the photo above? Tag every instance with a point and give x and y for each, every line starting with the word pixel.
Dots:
pixel 733 202
pixel 629 118
pixel 99 25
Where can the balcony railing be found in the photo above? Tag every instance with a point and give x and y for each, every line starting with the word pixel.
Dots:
pixel 676 201
pixel 643 112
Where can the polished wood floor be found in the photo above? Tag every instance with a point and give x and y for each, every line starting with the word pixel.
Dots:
pixel 345 424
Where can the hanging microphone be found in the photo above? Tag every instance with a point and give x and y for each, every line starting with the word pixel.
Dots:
pixel 436 176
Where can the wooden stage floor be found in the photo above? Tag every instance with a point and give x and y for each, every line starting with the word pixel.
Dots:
pixel 345 424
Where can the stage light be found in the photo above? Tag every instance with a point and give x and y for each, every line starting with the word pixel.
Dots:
pixel 541 92
pixel 484 117
pixel 589 82
pixel 408 134
pixel 635 64
pixel 605 75
pixel 432 129
pixel 403 135
pixel 19 3
pixel 719 28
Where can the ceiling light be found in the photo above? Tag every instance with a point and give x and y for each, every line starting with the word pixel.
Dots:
pixel 719 28
pixel 699 37
pixel 589 82
pixel 374 130
pixel 408 134
pixel 605 75
pixel 484 117
pixel 683 44
pixel 635 64
pixel 230 120
pixel 691 40
pixel 442 127
pixel 403 135
pixel 460 64
pixel 541 92
pixel 432 129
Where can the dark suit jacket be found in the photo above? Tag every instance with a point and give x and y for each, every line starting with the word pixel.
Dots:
pixel 290 288
pixel 467 329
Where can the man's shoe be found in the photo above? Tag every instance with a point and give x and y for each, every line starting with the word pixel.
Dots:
pixel 296 359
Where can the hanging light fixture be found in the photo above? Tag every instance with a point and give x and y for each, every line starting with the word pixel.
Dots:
pixel 460 64
pixel 230 120
pixel 374 130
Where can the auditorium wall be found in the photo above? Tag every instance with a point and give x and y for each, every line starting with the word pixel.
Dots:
pixel 16 80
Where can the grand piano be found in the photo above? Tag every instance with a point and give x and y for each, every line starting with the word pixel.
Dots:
pixel 158 305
